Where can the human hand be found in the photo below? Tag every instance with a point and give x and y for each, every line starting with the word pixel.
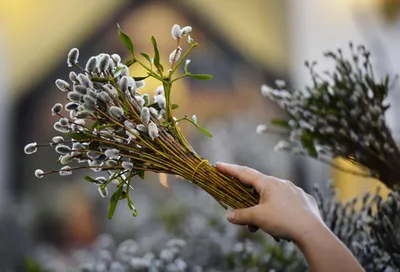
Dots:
pixel 285 210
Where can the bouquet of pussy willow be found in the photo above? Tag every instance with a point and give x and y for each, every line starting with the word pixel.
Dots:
pixel 112 126
pixel 342 114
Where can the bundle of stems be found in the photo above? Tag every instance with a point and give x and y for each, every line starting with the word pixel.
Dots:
pixel 118 131
pixel 341 114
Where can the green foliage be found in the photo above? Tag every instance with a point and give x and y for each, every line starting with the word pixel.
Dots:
pixel 126 41
pixel 200 76
pixel 114 201
pixel 157 63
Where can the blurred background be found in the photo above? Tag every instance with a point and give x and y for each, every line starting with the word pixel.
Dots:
pixel 243 44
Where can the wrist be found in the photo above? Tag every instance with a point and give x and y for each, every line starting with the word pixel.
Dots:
pixel 312 228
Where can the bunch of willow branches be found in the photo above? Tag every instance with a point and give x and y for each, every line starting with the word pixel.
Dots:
pixel 342 114
pixel 115 128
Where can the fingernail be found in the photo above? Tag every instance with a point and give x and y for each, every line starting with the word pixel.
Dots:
pixel 230 216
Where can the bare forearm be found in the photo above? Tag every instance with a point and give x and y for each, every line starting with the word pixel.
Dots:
pixel 325 252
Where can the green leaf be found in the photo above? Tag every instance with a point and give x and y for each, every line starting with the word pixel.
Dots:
pixel 156 55
pixel 123 195
pixel 117 71
pixel 140 78
pixel 99 79
pixel 31 265
pixel 77 136
pixel 146 56
pixel 200 76
pixel 130 204
pixel 280 122
pixel 87 178
pixel 114 201
pixel 154 105
pixel 126 41
pixel 130 62
pixel 204 131
pixel 95 124
pixel 308 144
pixel 141 174
pixel 93 146
pixel 146 100
pixel 174 106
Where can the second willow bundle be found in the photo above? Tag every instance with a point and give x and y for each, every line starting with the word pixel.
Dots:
pixel 117 131
pixel 341 114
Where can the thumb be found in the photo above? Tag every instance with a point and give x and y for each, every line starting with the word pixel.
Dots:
pixel 242 216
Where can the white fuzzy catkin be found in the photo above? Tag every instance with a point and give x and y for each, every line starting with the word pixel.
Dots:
pixel 80 89
pixel 72 76
pixel 103 191
pixel 266 90
pixel 186 30
pixel 176 32
pixel 74 96
pixel 71 106
pixel 57 126
pixel 261 129
pixel 92 93
pixel 160 100
pixel 116 58
pixel 140 100
pixel 115 112
pixel 84 80
pixel 104 62
pixel 101 180
pixel 282 146
pixel 140 84
pixel 56 109
pixel 39 173
pixel 89 102
pixel 280 83
pixel 128 124
pixel 105 97
pixel 30 148
pixel 145 114
pixel 66 159
pixel 110 90
pixel 141 128
pixel 63 149
pixel 65 171
pixel 124 71
pixel 64 122
pixel 127 165
pixel 93 155
pixel 111 163
pixel 194 119
pixel 77 146
pixel 112 153
pixel 128 84
pixel 91 65
pixel 154 112
pixel 73 56
pixel 175 55
pixel 62 85
pixel 57 139
pixel 153 130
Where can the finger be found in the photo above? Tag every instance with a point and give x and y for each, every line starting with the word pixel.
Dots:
pixel 242 216
pixel 244 174
pixel 252 228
